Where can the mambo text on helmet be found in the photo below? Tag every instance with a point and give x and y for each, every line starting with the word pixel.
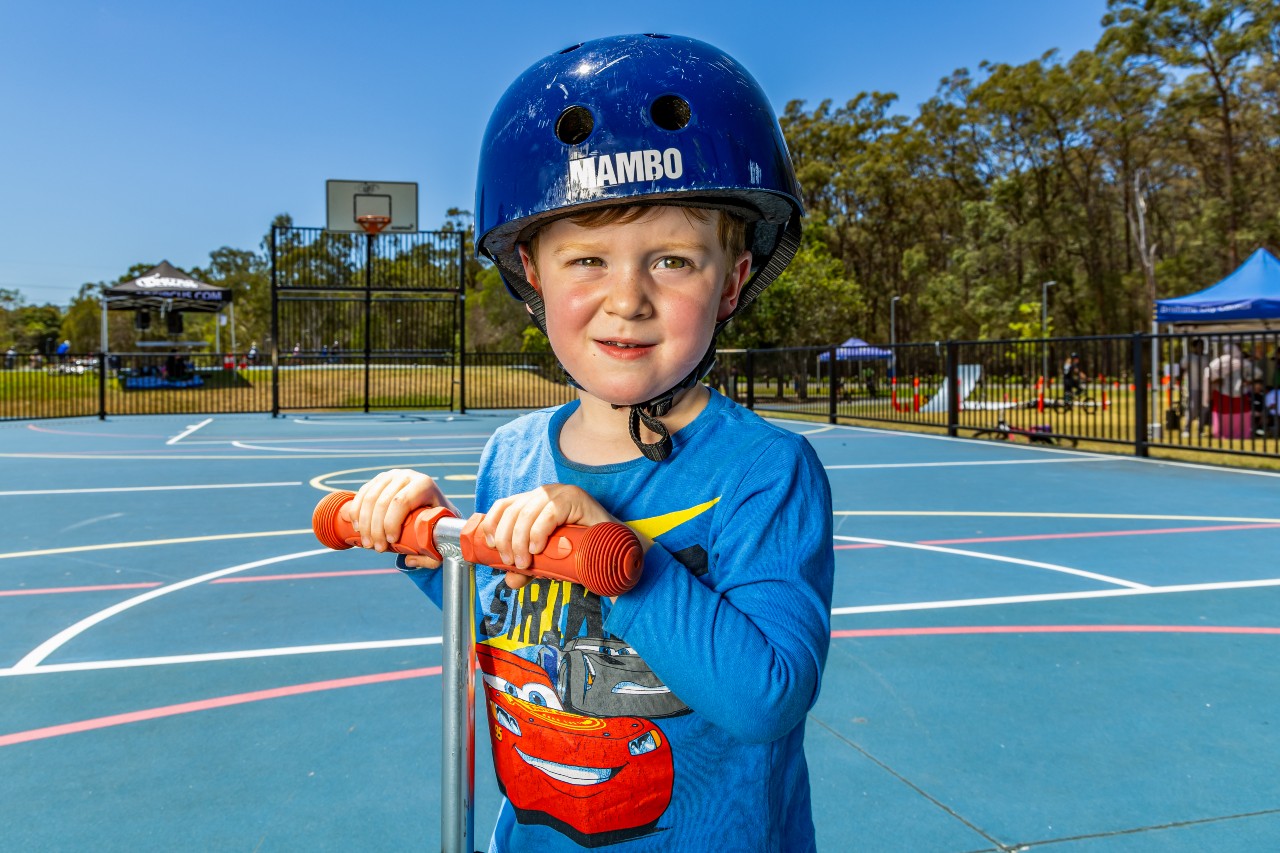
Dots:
pixel 603 170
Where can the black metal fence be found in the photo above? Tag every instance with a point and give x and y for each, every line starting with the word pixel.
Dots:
pixel 1214 393
pixel 374 317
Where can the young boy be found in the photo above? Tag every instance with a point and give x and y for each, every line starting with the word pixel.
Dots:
pixel 636 192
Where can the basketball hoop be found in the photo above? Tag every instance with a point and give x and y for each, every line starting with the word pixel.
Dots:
pixel 373 223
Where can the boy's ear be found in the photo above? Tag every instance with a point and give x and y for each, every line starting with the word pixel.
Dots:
pixel 737 277
pixel 530 268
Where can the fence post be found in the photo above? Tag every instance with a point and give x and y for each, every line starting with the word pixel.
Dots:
pixel 368 314
pixel 751 380
pixel 102 386
pixel 832 395
pixel 462 322
pixel 953 388
pixel 275 331
pixel 1140 416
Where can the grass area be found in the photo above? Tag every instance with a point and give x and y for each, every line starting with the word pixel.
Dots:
pixel 30 394
pixel 39 394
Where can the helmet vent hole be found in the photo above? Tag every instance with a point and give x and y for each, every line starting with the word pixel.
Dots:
pixel 656 36
pixel 571 49
pixel 670 112
pixel 574 125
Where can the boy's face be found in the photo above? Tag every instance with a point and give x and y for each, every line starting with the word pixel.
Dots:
pixel 631 306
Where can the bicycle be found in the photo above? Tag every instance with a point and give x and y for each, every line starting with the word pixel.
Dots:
pixel 1079 399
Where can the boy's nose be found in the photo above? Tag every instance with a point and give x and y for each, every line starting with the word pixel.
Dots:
pixel 628 295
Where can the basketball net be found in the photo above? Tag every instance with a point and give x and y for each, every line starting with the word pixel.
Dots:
pixel 372 223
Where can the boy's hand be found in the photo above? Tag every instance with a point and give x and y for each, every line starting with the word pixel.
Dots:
pixel 380 507
pixel 519 526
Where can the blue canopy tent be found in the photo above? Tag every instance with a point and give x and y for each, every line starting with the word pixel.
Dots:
pixel 856 349
pixel 1249 297
pixel 853 351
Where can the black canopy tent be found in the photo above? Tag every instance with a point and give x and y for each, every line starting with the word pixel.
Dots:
pixel 166 290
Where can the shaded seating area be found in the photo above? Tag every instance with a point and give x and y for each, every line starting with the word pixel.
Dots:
pixel 164 293
pixel 1248 302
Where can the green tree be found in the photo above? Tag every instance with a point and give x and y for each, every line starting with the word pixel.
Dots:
pixel 812 303
pixel 1211 45
pixel 496 320
pixel 247 275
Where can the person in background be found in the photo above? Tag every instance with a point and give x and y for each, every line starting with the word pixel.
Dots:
pixel 1192 367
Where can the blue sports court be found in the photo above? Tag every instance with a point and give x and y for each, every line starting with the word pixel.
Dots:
pixel 1032 648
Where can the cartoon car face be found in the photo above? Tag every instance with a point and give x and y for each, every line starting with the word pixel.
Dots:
pixel 589 777
pixel 600 677
pixel 511 674
pixel 587 774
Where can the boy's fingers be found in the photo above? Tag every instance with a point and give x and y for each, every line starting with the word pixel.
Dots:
pixel 362 509
pixel 502 533
pixel 550 517
pixel 389 512
pixel 515 580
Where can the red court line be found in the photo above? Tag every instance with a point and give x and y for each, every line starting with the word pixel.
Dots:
pixel 308 576
pixel 154 584
pixel 380 678
pixel 209 704
pixel 952 630
pixel 55 590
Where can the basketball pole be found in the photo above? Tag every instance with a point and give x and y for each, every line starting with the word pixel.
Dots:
pixel 105 343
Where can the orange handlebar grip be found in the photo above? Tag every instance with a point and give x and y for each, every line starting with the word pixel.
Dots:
pixel 416 535
pixel 605 558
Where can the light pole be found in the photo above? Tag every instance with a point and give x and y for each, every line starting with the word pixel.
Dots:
pixel 1044 328
pixel 893 336
pixel 893 322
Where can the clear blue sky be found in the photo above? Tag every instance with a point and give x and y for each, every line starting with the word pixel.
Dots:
pixel 142 131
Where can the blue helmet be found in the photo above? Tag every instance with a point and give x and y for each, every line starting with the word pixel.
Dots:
pixel 635 118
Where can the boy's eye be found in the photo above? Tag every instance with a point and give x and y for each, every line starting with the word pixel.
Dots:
pixel 673 263
pixel 589 262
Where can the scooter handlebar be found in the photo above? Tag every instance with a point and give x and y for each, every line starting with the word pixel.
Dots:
pixel 605 558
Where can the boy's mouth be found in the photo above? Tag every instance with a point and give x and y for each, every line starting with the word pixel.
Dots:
pixel 622 344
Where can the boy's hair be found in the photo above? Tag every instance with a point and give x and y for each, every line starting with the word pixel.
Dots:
pixel 731 229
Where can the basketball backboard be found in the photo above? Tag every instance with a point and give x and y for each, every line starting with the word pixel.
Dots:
pixel 349 200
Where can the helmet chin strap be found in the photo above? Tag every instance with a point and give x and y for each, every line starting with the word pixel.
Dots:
pixel 649 411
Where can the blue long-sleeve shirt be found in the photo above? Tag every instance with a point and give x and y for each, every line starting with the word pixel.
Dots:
pixel 672 719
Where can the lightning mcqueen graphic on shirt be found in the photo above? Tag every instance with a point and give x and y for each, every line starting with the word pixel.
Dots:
pixel 598 780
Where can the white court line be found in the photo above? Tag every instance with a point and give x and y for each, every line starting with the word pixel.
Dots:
pixel 213 657
pixel 881 432
pixel 186 432
pixel 1053 596
pixel 1120 516
pixel 227 457
pixel 90 521
pixel 16 493
pixel 373 645
pixel 445 451
pixel 323 482
pixel 110 546
pixel 1035 564
pixel 33 658
pixel 977 463
pixel 340 439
